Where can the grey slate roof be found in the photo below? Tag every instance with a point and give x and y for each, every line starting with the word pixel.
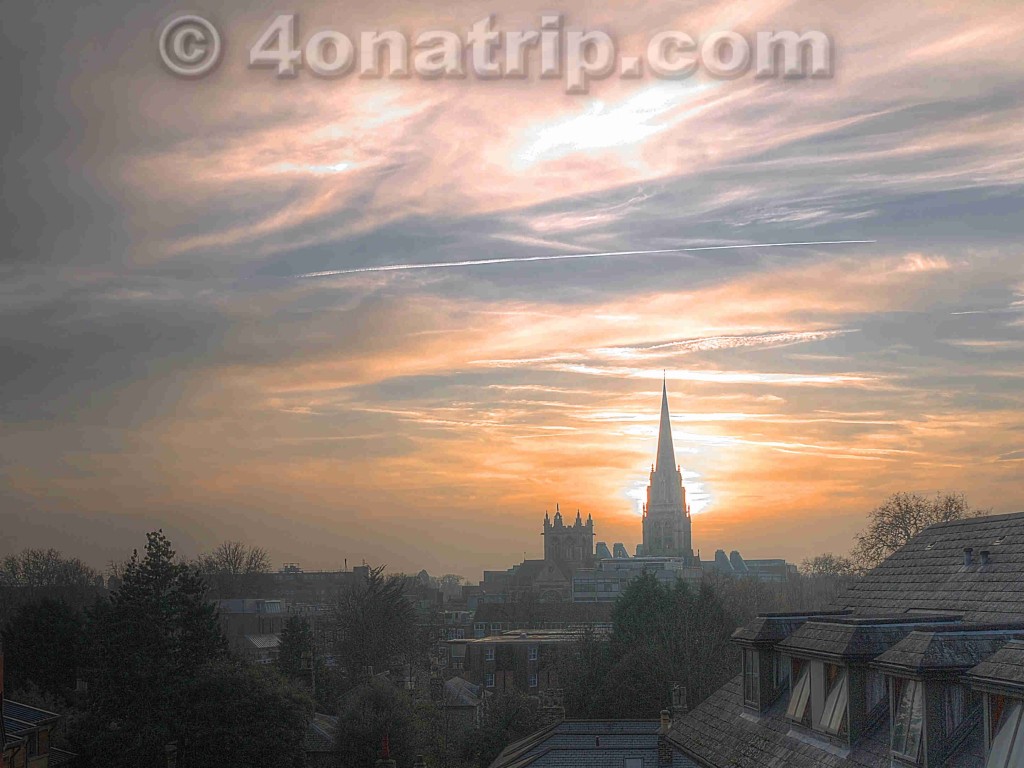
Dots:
pixel 952 649
pixel 772 627
pixel 1004 669
pixel 929 574
pixel 716 734
pixel 853 638
pixel 588 744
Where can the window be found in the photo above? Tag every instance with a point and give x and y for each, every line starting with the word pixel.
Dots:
pixel 533 680
pixel 799 708
pixel 1008 737
pixel 909 720
pixel 633 762
pixel 531 653
pixel 954 699
pixel 874 689
pixel 780 671
pixel 751 677
pixel 489 680
pixel 489 653
pixel 833 716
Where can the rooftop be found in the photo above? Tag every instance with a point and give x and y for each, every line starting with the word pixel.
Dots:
pixel 589 744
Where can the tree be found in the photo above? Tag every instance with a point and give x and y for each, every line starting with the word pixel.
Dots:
pixel 901 517
pixel 294 652
pixel 242 716
pixel 371 715
pixel 44 645
pixel 150 642
pixel 375 625
pixel 506 717
pixel 828 565
pixel 232 567
pixel 35 568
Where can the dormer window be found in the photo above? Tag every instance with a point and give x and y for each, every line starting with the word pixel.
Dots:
pixel 1006 732
pixel 834 715
pixel 799 709
pixel 908 721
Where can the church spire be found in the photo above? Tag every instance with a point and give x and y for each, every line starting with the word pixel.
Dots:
pixel 666 453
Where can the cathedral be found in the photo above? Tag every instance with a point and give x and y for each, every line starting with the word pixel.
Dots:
pixel 666 522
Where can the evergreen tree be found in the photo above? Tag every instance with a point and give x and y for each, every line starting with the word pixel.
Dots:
pixel 294 652
pixel 150 642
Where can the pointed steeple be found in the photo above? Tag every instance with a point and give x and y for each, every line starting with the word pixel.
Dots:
pixel 666 453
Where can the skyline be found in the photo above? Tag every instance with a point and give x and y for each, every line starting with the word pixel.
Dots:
pixel 170 363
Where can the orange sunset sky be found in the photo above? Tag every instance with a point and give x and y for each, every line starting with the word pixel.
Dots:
pixel 169 362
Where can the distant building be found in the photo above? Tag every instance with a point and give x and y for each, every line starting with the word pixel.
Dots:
pixel 525 661
pixel 611 577
pixel 771 570
pixel 495 618
pixel 666 515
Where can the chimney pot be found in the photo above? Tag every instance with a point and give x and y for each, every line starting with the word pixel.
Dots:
pixel 968 555
pixel 985 560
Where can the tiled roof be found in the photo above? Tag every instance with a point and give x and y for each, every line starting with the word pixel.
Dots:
pixel 925 578
pixel 28 717
pixel 929 574
pixel 319 735
pixel 772 627
pixel 264 642
pixel 459 692
pixel 953 648
pixel 718 735
pixel 544 613
pixel 588 744
pixel 853 637
pixel 1004 669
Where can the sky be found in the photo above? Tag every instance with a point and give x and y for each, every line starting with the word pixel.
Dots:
pixel 174 356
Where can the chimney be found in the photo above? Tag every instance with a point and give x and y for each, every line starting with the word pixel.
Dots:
pixel 678 700
pixel 968 556
pixel 985 560
pixel 664 748
pixel 385 760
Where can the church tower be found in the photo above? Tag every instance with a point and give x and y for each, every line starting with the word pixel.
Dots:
pixel 570 545
pixel 666 525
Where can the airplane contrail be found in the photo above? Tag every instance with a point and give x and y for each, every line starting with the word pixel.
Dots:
pixel 562 256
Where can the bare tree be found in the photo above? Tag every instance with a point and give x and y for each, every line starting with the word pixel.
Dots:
pixel 45 568
pixel 229 569
pixel 901 517
pixel 828 564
